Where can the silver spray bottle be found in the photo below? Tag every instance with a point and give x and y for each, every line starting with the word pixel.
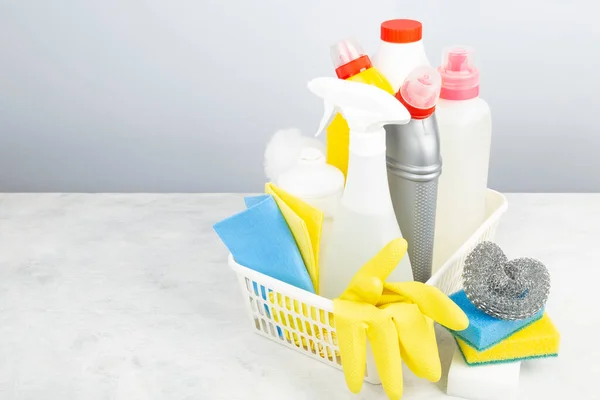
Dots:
pixel 414 164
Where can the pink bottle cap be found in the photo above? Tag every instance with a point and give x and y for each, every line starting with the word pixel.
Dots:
pixel 349 59
pixel 420 91
pixel 460 77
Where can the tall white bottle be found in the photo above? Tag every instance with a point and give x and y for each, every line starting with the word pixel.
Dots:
pixel 365 220
pixel 401 50
pixel 465 129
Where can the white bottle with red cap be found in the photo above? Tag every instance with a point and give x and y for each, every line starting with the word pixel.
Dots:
pixel 401 50
pixel 465 129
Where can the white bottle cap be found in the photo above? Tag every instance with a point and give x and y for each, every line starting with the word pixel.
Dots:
pixel 312 177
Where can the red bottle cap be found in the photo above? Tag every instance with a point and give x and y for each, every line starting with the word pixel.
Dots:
pixel 353 67
pixel 415 113
pixel 420 91
pixel 349 59
pixel 401 31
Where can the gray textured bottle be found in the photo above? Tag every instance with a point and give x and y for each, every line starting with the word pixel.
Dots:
pixel 414 164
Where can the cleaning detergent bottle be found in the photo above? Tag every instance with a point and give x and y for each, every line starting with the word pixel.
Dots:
pixel 414 165
pixel 350 63
pixel 365 220
pixel 317 183
pixel 465 128
pixel 401 50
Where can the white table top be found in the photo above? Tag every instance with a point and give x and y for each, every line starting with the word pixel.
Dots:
pixel 130 297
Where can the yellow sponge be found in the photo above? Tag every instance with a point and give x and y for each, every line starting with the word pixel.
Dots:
pixel 540 339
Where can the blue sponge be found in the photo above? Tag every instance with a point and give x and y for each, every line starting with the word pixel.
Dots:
pixel 485 331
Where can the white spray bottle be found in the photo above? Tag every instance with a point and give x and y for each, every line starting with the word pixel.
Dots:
pixel 365 221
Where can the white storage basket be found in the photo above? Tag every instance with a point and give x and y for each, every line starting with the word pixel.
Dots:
pixel 303 321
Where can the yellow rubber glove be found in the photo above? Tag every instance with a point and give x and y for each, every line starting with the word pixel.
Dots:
pixel 357 318
pixel 370 308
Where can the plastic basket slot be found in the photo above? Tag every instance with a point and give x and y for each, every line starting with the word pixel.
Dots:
pixel 327 336
pixel 305 309
pixel 332 338
pixel 261 309
pixel 253 304
pixel 313 313
pixel 264 325
pixel 296 339
pixel 334 356
pixel 248 285
pixel 309 329
pixel 290 319
pixel 282 317
pixel 287 336
pixel 269 309
pixel 272 330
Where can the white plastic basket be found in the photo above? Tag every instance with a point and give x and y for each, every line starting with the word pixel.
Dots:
pixel 303 321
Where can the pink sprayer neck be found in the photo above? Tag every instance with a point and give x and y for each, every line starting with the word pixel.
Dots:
pixel 459 94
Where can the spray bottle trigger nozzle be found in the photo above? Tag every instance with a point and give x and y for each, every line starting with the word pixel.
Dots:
pixel 328 116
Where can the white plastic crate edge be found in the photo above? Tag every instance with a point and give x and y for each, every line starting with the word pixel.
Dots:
pixel 447 278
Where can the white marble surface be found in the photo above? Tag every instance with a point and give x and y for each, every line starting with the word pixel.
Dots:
pixel 130 297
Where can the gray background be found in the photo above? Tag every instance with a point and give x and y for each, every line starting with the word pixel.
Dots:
pixel 182 96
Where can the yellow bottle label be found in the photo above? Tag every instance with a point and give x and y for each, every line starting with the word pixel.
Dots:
pixel 338 133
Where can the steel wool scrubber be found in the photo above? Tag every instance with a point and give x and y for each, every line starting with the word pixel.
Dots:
pixel 414 164
pixel 511 290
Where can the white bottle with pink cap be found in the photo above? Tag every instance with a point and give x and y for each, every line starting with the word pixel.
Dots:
pixel 465 129
pixel 401 50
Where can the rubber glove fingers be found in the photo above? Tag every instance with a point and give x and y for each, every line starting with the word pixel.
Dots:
pixel 383 338
pixel 356 322
pixel 432 302
pixel 416 336
pixel 351 330
pixel 367 283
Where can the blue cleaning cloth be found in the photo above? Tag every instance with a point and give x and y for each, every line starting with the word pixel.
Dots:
pixel 260 239
pixel 485 331
pixel 252 201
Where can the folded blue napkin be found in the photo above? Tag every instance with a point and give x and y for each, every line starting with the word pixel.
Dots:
pixel 260 239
